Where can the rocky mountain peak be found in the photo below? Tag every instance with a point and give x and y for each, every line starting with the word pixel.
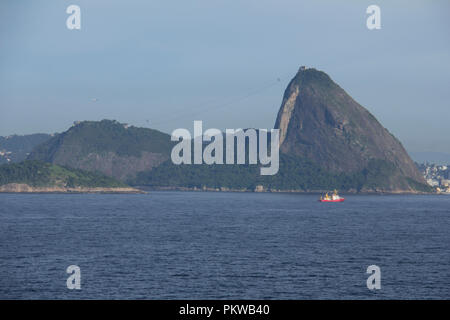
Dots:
pixel 319 121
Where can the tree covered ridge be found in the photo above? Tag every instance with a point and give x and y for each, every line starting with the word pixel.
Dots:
pixel 103 136
pixel 42 174
pixel 295 174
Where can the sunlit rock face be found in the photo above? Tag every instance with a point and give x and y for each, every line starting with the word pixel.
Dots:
pixel 318 120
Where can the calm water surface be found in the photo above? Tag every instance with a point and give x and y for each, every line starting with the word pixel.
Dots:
pixel 195 245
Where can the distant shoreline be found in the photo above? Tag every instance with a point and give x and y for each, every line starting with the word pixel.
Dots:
pixel 224 189
pixel 25 188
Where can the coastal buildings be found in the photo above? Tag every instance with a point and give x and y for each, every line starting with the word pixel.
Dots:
pixel 437 176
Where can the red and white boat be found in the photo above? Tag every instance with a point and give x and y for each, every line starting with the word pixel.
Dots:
pixel 333 198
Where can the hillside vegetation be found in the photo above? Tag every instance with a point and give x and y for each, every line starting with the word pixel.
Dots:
pixel 106 146
pixel 295 174
pixel 40 174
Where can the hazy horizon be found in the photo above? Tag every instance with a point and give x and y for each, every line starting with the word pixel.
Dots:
pixel 163 65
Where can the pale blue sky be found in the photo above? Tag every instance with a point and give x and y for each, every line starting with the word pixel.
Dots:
pixel 172 62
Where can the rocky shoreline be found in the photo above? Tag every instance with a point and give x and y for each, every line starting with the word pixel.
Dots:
pixel 25 188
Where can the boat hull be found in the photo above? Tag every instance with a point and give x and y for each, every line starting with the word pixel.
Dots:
pixel 337 200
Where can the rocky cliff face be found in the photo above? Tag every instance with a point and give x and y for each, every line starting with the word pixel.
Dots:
pixel 319 121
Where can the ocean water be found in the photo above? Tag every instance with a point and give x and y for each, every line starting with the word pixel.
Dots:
pixel 206 245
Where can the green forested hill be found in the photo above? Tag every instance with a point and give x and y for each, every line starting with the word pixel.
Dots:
pixel 40 174
pixel 107 146
pixel 103 136
pixel 294 174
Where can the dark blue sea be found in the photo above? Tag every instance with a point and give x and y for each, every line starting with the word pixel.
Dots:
pixel 206 245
